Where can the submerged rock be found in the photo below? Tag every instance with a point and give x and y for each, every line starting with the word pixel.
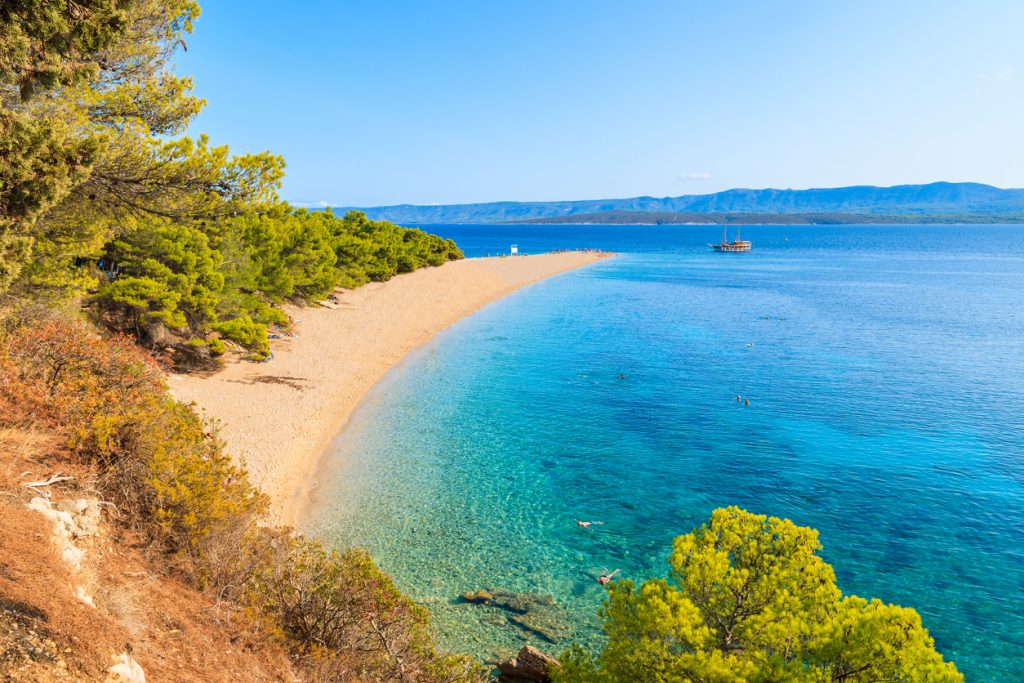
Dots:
pixel 523 603
pixel 529 666
pixel 552 627
pixel 477 597
pixel 536 614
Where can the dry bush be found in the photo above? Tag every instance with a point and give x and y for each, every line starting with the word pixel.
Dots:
pixel 346 618
pixel 173 485
pixel 167 476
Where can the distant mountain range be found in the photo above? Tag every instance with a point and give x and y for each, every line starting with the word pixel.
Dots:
pixel 810 218
pixel 906 203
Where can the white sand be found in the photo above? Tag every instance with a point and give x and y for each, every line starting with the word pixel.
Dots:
pixel 278 418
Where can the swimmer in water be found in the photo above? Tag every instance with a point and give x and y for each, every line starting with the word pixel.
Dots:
pixel 586 524
pixel 606 578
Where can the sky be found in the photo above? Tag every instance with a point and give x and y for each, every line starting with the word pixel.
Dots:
pixel 431 102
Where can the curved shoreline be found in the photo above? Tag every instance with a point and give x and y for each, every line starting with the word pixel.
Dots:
pixel 279 418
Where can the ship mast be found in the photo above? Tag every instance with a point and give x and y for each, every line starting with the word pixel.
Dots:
pixel 725 236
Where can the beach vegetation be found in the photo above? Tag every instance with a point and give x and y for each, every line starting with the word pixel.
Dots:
pixel 171 243
pixel 748 598
pixel 165 236
pixel 345 617
pixel 173 490
pixel 246 332
pixel 168 477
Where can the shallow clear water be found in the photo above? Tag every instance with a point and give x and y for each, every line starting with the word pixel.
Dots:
pixel 884 367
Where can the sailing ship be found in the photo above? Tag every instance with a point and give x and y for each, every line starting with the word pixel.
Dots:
pixel 735 245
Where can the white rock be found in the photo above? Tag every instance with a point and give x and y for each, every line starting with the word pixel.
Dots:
pixel 84 597
pixel 125 670
pixel 68 526
pixel 72 555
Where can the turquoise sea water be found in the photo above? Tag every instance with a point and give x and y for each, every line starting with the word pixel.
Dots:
pixel 885 370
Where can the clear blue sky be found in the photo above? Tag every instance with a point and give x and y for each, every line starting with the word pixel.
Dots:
pixel 443 102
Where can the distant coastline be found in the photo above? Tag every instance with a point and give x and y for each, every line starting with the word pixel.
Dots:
pixel 941 202
pixel 837 218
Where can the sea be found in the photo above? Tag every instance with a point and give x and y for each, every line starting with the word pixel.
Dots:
pixel 884 369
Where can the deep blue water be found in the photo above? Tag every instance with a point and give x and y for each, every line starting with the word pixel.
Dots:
pixel 885 372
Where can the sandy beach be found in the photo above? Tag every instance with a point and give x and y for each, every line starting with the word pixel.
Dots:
pixel 278 418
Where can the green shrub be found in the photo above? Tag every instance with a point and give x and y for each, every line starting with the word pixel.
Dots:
pixel 247 333
pixel 265 314
pixel 340 612
pixel 230 275
pixel 214 345
pixel 166 274
pixel 217 346
pixel 749 599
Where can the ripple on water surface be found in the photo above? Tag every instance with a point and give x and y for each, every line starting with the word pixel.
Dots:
pixel 886 410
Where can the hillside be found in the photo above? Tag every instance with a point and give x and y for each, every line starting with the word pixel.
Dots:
pixel 832 218
pixel 904 200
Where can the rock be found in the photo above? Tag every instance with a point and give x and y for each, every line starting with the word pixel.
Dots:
pixel 125 670
pixel 495 656
pixel 87 517
pixel 71 519
pixel 522 603
pixel 536 614
pixel 477 597
pixel 551 626
pixel 64 529
pixel 84 597
pixel 157 334
pixel 530 665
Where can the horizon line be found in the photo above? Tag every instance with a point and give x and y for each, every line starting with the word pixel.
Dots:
pixel 323 204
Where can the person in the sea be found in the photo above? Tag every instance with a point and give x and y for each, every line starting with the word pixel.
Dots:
pixel 586 524
pixel 606 578
pixel 746 401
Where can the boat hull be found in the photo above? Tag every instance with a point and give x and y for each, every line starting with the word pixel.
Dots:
pixel 731 246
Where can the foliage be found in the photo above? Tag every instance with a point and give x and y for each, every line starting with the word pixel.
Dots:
pixel 228 276
pixel 342 613
pixel 166 273
pixel 171 482
pixel 93 170
pixel 38 164
pixel 749 599
pixel 87 153
pixel 244 331
pixel 45 44
pixel 307 254
pixel 155 461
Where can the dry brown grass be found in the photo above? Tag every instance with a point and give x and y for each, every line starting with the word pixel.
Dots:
pixel 175 632
pixel 180 572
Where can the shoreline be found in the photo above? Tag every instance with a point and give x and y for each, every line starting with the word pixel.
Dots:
pixel 279 418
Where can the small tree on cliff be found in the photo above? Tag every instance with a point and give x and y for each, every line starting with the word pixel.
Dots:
pixel 749 599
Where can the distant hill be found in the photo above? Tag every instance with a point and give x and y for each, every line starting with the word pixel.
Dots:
pixel 947 199
pixel 832 218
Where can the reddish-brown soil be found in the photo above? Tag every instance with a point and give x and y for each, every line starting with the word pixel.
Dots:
pixel 176 633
